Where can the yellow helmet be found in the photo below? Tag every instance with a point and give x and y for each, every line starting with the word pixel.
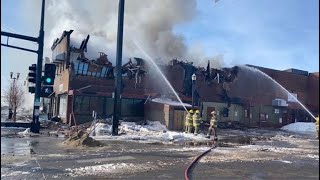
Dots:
pixel 197 111
pixel 191 111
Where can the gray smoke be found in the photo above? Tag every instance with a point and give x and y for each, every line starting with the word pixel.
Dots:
pixel 151 22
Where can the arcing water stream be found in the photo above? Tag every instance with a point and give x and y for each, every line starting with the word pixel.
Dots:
pixel 160 72
pixel 267 76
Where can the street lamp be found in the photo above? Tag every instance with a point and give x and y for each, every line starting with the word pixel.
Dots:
pixel 194 78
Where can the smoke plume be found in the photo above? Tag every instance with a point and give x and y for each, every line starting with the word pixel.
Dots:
pixel 151 22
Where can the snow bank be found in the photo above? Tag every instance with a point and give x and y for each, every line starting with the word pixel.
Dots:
pixel 27 132
pixel 102 128
pixel 300 127
pixel 169 102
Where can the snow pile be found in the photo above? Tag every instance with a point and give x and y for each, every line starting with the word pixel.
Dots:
pixel 102 129
pixel 26 132
pixel 300 127
pixel 112 168
pixel 169 102
pixel 151 132
pixel 150 126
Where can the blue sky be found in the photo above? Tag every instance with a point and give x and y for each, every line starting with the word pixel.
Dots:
pixel 278 34
pixel 270 33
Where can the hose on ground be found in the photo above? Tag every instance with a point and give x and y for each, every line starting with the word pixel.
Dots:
pixel 187 171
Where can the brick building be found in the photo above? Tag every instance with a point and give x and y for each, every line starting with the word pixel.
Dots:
pixel 237 94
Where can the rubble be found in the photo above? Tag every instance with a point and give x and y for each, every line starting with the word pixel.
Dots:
pixel 81 138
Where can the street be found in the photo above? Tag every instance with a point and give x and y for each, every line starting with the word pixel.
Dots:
pixel 278 155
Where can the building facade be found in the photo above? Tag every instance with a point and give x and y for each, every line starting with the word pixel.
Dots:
pixel 238 94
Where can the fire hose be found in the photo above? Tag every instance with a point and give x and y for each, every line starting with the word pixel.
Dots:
pixel 193 163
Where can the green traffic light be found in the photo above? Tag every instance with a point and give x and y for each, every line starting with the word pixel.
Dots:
pixel 48 80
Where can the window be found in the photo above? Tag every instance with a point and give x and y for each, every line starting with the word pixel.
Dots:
pixel 276 111
pixel 63 106
pixel 262 117
pixel 96 104
pixel 225 112
pixel 87 104
pixel 109 106
pixel 236 113
pixel 280 120
pixel 85 69
pixel 76 65
pixel 81 104
pixel 245 113
pixel 132 107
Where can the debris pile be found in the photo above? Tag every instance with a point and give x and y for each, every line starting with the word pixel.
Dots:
pixel 81 138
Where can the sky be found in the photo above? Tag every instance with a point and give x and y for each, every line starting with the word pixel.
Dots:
pixel 269 33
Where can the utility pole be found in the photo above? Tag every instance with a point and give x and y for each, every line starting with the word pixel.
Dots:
pixel 118 81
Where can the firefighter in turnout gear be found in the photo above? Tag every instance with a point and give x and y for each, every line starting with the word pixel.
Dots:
pixel 188 122
pixel 317 125
pixel 213 126
pixel 196 121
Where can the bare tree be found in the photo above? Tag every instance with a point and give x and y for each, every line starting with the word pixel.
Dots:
pixel 14 96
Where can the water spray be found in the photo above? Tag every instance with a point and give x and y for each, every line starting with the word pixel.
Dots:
pixel 267 76
pixel 160 72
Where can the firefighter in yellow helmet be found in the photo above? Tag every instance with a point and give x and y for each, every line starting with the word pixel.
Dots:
pixel 196 121
pixel 317 125
pixel 188 122
pixel 213 126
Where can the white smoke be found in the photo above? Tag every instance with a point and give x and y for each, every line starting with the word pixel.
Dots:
pixel 151 22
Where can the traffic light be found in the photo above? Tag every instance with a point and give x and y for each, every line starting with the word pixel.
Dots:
pixel 32 89
pixel 32 74
pixel 49 74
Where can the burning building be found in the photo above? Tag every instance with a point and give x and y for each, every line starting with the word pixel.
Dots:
pixel 83 85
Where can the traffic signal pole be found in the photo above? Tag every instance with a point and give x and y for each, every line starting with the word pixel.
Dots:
pixel 35 125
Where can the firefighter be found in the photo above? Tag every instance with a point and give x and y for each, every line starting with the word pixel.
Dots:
pixel 188 117
pixel 196 121
pixel 317 125
pixel 213 126
pixel 189 124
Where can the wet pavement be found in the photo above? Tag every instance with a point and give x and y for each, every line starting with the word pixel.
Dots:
pixel 277 155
